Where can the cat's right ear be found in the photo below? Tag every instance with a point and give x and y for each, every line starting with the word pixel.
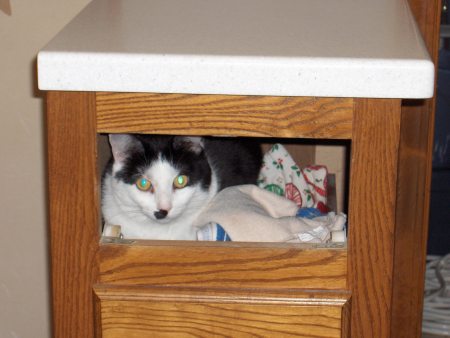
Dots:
pixel 193 143
pixel 122 145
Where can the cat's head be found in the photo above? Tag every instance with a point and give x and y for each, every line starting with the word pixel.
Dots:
pixel 159 176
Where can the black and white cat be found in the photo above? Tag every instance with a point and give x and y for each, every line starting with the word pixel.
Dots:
pixel 155 186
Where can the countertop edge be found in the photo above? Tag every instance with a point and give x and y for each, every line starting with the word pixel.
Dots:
pixel 236 75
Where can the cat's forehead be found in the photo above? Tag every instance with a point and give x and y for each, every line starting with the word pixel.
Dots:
pixel 161 169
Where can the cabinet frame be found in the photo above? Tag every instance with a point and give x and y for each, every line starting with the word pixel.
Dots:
pixel 72 119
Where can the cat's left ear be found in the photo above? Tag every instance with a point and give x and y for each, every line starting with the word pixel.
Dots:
pixel 193 143
pixel 122 145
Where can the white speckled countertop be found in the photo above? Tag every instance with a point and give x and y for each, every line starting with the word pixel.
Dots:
pixel 345 48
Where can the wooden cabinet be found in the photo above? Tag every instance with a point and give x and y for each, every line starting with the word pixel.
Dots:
pixel 133 281
pixel 370 287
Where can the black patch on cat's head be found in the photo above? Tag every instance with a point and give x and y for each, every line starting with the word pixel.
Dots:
pixel 136 153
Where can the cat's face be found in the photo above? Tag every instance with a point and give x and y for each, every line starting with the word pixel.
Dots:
pixel 159 178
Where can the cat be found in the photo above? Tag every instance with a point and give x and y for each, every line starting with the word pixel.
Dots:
pixel 155 186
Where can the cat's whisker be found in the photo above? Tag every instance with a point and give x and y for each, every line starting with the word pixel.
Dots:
pixel 131 214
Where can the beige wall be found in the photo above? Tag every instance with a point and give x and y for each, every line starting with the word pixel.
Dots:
pixel 24 296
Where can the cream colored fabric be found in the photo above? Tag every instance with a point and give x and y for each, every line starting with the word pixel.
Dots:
pixel 250 214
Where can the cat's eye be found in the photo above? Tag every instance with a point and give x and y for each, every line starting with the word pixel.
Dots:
pixel 180 181
pixel 144 184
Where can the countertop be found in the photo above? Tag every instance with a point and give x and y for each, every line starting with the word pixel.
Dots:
pixel 343 48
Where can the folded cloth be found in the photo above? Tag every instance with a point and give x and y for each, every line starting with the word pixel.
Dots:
pixel 213 232
pixel 248 213
pixel 307 187
pixel 309 213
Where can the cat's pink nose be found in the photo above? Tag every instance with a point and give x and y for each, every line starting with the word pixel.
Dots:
pixel 160 214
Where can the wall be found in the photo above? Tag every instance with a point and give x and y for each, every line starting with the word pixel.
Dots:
pixel 24 290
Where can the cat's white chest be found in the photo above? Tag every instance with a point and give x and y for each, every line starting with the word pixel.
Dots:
pixel 175 231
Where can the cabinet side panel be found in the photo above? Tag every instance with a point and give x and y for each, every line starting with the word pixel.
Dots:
pixel 416 150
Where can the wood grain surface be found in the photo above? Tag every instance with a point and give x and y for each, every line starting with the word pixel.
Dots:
pixel 262 116
pixel 168 312
pixel 73 211
pixel 249 265
pixel 372 210
pixel 413 194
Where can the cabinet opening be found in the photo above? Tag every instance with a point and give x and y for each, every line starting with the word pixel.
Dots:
pixel 222 189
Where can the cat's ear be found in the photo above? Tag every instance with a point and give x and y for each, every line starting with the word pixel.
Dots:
pixel 193 143
pixel 122 145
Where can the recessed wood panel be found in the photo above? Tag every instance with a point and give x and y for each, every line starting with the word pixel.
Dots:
pixel 261 116
pixel 216 264
pixel 168 312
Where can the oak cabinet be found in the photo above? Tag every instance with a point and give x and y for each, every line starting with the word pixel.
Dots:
pixel 121 288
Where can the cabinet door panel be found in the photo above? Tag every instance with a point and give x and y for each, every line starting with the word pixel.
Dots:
pixel 169 312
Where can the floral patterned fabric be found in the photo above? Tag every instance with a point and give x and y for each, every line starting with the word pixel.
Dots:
pixel 307 186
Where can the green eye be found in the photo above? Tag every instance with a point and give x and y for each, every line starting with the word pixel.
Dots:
pixel 180 181
pixel 143 184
